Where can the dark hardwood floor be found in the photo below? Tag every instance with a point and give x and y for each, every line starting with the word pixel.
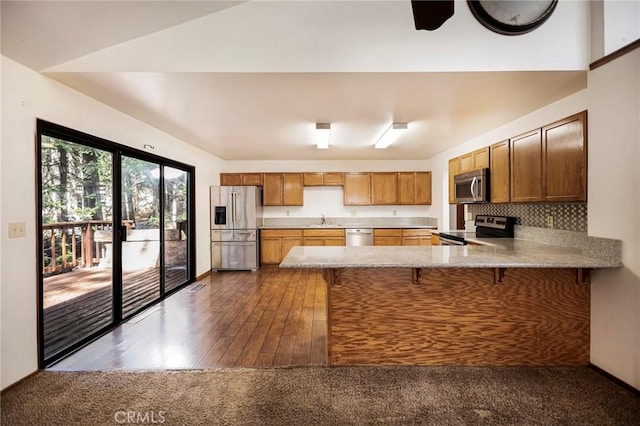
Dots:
pixel 272 317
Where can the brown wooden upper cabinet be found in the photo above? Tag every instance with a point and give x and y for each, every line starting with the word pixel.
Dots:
pixel 313 179
pixel 293 189
pixel 480 158
pixel 273 186
pixel 564 164
pixel 454 169
pixel 241 179
pixel 230 179
pixel 357 189
pixel 526 167
pixel 414 188
pixel 333 178
pixel 466 162
pixel 550 164
pixel 282 189
pixel 384 188
pixel 252 179
pixel 323 179
pixel 499 173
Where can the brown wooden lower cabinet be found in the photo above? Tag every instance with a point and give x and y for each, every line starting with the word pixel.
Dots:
pixel 387 237
pixel 401 237
pixel 537 317
pixel 416 237
pixel 276 243
pixel 323 237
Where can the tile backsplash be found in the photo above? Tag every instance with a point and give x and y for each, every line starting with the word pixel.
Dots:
pixel 570 217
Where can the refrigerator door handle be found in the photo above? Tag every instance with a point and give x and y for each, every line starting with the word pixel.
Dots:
pixel 233 208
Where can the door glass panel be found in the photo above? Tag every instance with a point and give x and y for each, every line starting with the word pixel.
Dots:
pixel 175 226
pixel 77 242
pixel 141 221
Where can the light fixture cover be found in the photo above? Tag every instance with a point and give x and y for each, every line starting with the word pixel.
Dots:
pixel 323 133
pixel 390 135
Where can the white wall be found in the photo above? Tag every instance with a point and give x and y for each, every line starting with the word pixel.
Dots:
pixel 614 212
pixel 329 200
pixel 26 95
pixel 621 23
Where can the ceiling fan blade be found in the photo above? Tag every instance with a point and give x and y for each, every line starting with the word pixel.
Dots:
pixel 431 14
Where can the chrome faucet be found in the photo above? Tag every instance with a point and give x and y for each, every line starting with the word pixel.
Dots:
pixel 322 220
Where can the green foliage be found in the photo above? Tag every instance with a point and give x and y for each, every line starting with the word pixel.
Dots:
pixel 77 184
pixel 73 177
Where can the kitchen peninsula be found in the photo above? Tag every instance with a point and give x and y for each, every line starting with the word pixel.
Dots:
pixel 508 303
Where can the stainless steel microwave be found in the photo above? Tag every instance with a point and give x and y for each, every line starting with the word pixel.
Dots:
pixel 472 187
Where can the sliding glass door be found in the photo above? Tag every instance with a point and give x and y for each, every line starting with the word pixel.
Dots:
pixel 76 242
pixel 176 231
pixel 100 264
pixel 140 234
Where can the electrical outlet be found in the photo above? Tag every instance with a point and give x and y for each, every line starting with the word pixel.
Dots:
pixel 395 212
pixel 353 213
pixel 17 229
pixel 549 221
pixel 287 212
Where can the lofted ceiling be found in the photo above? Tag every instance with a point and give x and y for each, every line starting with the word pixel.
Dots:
pixel 248 80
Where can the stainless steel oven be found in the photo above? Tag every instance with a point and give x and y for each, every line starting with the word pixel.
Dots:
pixel 472 187
pixel 486 227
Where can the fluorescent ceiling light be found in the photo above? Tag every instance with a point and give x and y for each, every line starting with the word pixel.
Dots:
pixel 323 133
pixel 390 135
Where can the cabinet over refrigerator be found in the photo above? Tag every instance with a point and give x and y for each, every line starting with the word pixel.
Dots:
pixel 236 215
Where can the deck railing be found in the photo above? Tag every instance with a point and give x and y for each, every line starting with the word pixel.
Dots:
pixel 67 245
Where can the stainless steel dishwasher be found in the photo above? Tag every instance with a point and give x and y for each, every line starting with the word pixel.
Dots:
pixel 359 237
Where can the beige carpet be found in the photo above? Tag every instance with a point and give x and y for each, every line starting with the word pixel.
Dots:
pixel 323 396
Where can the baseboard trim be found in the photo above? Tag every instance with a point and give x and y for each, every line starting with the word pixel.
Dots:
pixel 14 384
pixel 613 378
pixel 203 276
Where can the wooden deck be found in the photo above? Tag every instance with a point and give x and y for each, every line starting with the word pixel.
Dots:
pixel 79 303
pixel 272 317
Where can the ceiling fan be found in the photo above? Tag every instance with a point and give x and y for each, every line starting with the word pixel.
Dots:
pixel 508 17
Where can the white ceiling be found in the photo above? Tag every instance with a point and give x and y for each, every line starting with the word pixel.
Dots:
pixel 248 80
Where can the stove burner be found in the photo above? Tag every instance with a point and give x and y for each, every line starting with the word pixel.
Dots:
pixel 486 227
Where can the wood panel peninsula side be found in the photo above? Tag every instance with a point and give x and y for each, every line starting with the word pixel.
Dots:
pixel 518 303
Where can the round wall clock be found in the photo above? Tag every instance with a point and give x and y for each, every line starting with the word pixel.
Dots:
pixel 512 17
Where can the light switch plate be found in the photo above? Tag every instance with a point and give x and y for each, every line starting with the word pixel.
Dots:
pixel 17 229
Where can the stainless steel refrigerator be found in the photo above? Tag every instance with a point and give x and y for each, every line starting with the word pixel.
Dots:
pixel 236 215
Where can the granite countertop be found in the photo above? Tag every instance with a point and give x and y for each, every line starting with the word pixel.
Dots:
pixel 338 222
pixel 502 253
pixel 350 226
